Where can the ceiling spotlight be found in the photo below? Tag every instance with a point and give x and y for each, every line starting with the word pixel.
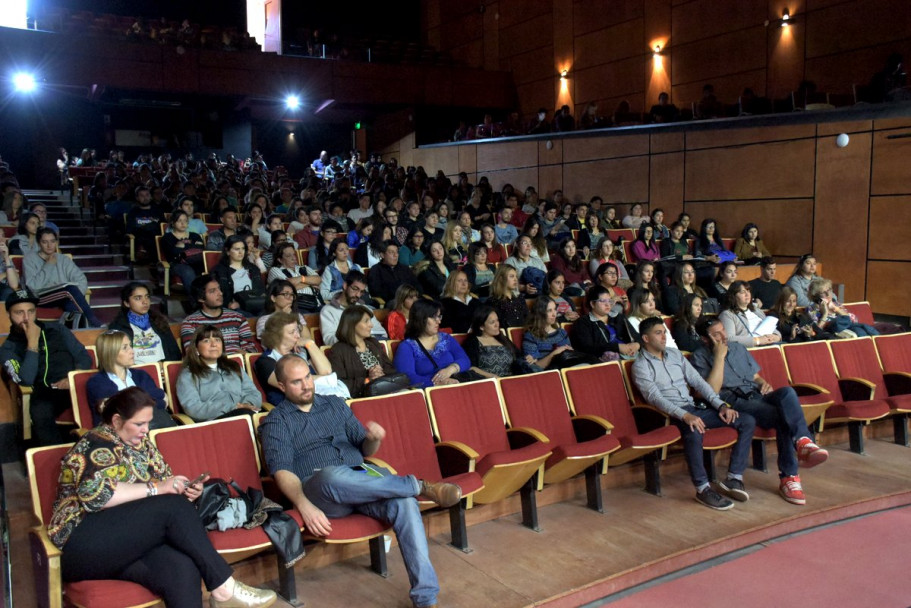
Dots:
pixel 24 83
pixel 292 102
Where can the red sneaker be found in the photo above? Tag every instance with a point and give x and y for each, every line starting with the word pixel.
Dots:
pixel 792 491
pixel 809 454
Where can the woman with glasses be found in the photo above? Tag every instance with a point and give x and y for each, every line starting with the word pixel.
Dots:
pixel 428 356
pixel 607 277
pixel 115 358
pixel 149 330
pixel 413 251
pixel 280 297
pixel 283 335
pixel 603 333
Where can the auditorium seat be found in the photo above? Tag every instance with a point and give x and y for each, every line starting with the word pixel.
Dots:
pixel 166 266
pixel 408 449
pixel 599 392
pixel 536 404
pixel 43 466
pixel 857 359
pixel 814 400
pixel 171 370
pixel 854 402
pixel 469 420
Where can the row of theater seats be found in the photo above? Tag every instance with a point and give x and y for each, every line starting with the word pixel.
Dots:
pixel 496 437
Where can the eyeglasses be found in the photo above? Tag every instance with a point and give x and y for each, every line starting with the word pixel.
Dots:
pixel 286 294
pixel 605 302
pixel 438 316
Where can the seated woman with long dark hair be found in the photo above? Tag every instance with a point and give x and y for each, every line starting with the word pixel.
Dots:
pixel 645 247
pixel 357 357
pixel 492 354
pixel 115 358
pixel 56 279
pixel 743 321
pixel 606 251
pixel 793 325
pixel 546 341
pixel 709 244
pixel 569 262
pixel 413 251
pixel 682 284
pixel 479 272
pixel 749 247
pixel 183 249
pixel 397 319
pixel 645 278
pixel 212 386
pixel 433 277
pixel 26 238
pixel 236 275
pixel 555 288
pixel 429 357
pixel 147 328
pixel 117 491
pixel 684 326
pixel 604 332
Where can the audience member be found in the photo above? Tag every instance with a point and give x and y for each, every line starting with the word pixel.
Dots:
pixel 744 323
pixel 804 273
pixel 241 282
pixel 428 356
pixel 283 335
pixel 357 357
pixel 149 331
pixel 354 287
pixel 664 111
pixel 765 287
pixel 749 247
pixel 386 276
pixel 491 353
pixel 458 305
pixel 234 328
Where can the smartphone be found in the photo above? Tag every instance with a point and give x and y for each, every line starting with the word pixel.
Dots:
pixel 198 479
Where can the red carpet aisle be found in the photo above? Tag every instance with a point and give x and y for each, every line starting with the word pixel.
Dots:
pixel 861 562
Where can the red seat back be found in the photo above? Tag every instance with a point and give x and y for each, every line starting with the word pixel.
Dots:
pixel 152 370
pixel 471 413
pixel 599 390
pixel 857 359
pixel 539 402
pixel 408 446
pixel 82 409
pixel 862 311
pixel 44 472
pixel 250 362
pixel 171 371
pixel 772 367
pixel 811 363
pixel 894 352
pixel 637 397
pixel 223 448
pixel 515 334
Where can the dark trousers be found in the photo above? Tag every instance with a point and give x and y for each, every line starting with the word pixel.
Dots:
pixel 692 442
pixel 44 408
pixel 779 410
pixel 157 542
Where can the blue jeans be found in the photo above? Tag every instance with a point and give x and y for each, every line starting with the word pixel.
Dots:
pixel 692 442
pixel 779 410
pixel 185 273
pixel 340 491
pixel 79 304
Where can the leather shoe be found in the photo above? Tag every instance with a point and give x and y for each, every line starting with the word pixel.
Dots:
pixel 245 596
pixel 444 494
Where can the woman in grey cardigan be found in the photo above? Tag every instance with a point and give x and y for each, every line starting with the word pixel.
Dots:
pixel 56 279
pixel 211 385
pixel 744 322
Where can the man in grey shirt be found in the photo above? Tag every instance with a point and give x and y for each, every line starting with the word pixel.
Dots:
pixel 664 376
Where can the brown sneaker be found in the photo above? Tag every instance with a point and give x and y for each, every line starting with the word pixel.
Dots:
pixel 444 494
pixel 245 596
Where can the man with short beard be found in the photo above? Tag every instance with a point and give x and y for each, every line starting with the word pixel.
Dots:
pixel 354 286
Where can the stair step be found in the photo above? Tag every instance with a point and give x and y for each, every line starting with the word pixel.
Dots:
pixel 99 275
pixel 98 259
pixel 85 249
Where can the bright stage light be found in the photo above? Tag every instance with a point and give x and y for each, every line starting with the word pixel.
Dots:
pixel 292 102
pixel 24 83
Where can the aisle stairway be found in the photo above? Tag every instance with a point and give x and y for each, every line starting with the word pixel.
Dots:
pixel 104 264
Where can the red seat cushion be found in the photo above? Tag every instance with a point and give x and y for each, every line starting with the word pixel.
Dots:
pixel 863 410
pixel 108 594
pixel 469 482
pixel 601 445
pixel 659 436
pixel 761 433
pixel 715 438
pixel 901 403
pixel 529 452
pixel 355 526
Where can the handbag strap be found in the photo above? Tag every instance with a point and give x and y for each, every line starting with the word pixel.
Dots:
pixel 427 352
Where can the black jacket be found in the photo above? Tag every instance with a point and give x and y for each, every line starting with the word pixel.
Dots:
pixel 168 343
pixel 593 338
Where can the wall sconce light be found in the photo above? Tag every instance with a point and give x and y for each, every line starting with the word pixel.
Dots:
pixel 657 50
pixel 785 18
pixel 564 74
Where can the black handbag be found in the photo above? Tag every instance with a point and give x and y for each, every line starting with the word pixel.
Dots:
pixel 214 497
pixel 310 302
pixel 388 384
pixel 253 303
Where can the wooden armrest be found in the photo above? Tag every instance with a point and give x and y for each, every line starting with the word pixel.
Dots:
pixel 856 389
pixel 897 383
pixel 165 265
pixel 379 462
pixel 648 418
pixel 46 568
pixel 522 436
pixel 267 407
pixel 25 390
pixel 588 427
pixel 455 458
pixel 805 389
pixel 183 419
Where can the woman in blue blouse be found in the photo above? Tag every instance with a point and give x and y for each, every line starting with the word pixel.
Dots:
pixel 428 356
pixel 115 358
pixel 544 339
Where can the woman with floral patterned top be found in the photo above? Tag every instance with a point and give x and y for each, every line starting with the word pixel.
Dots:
pixel 122 514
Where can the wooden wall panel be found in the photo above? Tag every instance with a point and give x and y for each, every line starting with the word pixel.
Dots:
pixel 526 36
pixel 536 64
pixel 858 24
pixel 468 159
pixel 709 18
pixel 434 159
pixel 520 178
pixel 508 155
pixel 839 224
pixel 618 78
pixel 550 178
pixel 891 166
pixel 534 95
pixel 834 128
pixel 554 156
pixel 732 53
pixel 882 278
pixel 666 184
pixel 727 88
pixel 717 138
pixel 589 16
pixel 576 150
pixel 774 170
pixel 782 224
pixel 886 213
pixel 667 142
pixel 610 44
pixel 514 12
pixel 621 179
pixel 836 73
